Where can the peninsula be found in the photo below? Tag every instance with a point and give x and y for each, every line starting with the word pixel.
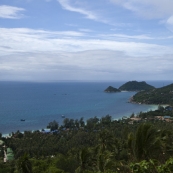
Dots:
pixel 163 95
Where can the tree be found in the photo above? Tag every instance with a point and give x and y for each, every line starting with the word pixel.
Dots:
pixel 24 165
pixel 92 122
pixel 106 120
pixel 106 141
pixel 146 142
pixel 160 108
pixel 81 122
pixel 66 122
pixel 76 123
pixel 84 160
pixel 53 125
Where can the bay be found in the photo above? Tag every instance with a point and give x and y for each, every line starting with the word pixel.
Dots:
pixel 39 103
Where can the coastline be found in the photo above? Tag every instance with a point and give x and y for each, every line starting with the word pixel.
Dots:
pixel 133 102
pixel 152 108
pixel 82 100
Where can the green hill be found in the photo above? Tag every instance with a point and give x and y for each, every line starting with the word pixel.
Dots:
pixel 111 89
pixel 135 86
pixel 162 95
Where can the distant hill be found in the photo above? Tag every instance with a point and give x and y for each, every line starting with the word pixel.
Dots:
pixel 162 95
pixel 135 86
pixel 111 89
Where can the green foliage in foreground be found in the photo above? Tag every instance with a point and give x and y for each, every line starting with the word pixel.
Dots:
pixel 152 166
pixel 101 145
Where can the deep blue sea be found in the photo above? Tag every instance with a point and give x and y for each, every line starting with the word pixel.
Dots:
pixel 40 103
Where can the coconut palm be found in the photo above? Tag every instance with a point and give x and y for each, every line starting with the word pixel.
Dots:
pixel 104 161
pixel 145 143
pixel 84 160
pixel 106 141
pixel 24 165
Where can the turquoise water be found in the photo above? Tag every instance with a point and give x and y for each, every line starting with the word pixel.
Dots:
pixel 40 103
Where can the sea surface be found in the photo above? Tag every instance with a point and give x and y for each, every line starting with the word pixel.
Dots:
pixel 40 103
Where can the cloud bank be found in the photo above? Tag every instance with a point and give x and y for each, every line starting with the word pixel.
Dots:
pixel 84 65
pixel 28 54
pixel 10 12
pixel 148 9
pixel 28 40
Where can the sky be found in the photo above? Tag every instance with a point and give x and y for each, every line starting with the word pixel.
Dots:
pixel 52 40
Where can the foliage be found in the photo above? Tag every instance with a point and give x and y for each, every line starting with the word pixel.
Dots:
pixel 111 89
pixel 163 95
pixel 24 164
pixel 135 86
pixel 152 166
pixel 53 125
pixel 100 145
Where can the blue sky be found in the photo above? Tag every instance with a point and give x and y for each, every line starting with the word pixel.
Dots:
pixel 51 40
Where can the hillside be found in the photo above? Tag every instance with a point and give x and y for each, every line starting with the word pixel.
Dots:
pixel 135 86
pixel 162 95
pixel 111 89
pixel 101 145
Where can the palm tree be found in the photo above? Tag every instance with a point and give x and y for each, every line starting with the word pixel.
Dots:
pixel 145 143
pixel 24 165
pixel 84 160
pixel 76 123
pixel 104 161
pixel 106 141
pixel 81 122
pixel 66 122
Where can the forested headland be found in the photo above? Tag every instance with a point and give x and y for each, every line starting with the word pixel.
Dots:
pixel 163 95
pixel 139 143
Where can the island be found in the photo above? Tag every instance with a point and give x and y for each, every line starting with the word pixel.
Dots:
pixel 111 89
pixel 135 86
pixel 163 95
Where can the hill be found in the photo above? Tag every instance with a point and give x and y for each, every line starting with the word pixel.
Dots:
pixel 135 86
pixel 163 95
pixel 111 89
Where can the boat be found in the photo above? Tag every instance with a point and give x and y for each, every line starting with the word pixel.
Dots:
pixel 62 116
pixel 22 120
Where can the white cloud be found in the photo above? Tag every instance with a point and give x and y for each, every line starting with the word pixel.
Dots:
pixel 85 30
pixel 123 36
pixel 147 8
pixel 81 7
pixel 169 23
pixel 84 65
pixel 29 40
pixel 67 6
pixel 10 12
pixel 27 54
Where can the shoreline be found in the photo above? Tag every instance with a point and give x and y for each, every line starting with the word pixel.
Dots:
pixel 152 108
pixel 133 102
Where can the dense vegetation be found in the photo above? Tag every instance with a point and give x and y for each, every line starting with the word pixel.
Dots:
pixel 135 86
pixel 112 89
pixel 162 95
pixel 99 145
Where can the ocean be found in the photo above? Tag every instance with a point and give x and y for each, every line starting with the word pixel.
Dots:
pixel 40 103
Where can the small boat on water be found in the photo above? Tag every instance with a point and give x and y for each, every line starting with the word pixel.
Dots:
pixel 62 116
pixel 22 120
